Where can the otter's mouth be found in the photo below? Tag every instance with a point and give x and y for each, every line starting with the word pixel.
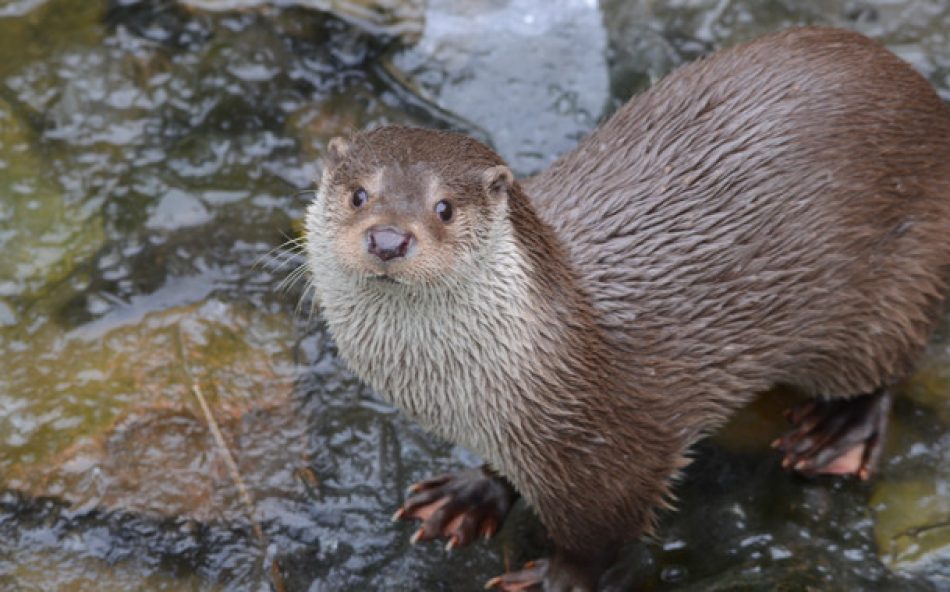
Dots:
pixel 386 279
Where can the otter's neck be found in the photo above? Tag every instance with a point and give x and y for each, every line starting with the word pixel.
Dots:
pixel 446 352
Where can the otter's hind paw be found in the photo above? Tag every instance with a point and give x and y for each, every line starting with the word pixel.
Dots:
pixel 838 437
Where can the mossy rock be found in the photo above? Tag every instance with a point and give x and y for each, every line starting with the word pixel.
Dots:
pixel 394 18
pixel 128 432
pixel 753 427
pixel 912 524
pixel 76 570
pixel 75 385
pixel 43 235
pixel 930 384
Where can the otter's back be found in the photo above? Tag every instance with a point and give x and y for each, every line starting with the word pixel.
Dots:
pixel 779 212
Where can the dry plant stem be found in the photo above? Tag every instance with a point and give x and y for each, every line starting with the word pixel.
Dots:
pixel 228 460
pixel 223 449
pixel 233 470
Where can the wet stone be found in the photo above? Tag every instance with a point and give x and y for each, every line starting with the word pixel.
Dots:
pixel 930 384
pixel 341 114
pixel 165 462
pixel 396 18
pixel 7 316
pixel 76 570
pixel 43 235
pixel 911 499
pixel 668 33
pixel 532 107
pixel 178 209
pixel 913 525
pixel 78 384
pixel 752 428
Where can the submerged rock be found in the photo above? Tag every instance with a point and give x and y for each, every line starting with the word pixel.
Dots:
pixel 76 570
pixel 75 385
pixel 165 462
pixel 911 498
pixel 753 427
pixel 146 447
pixel 661 34
pixel 43 234
pixel 912 524
pixel 342 113
pixel 396 18
pixel 930 384
pixel 535 85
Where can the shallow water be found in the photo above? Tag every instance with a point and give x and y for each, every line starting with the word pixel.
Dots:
pixel 152 157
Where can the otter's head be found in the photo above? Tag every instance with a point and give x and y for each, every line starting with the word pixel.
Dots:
pixel 406 205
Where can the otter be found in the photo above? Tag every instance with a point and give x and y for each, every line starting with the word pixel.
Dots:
pixel 777 213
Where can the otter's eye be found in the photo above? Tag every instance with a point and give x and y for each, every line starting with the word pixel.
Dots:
pixel 359 198
pixel 444 210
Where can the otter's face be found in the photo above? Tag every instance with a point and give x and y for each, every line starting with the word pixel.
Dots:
pixel 392 209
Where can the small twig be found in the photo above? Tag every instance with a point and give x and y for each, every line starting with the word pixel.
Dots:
pixel 228 460
pixel 249 506
pixel 919 530
pixel 277 577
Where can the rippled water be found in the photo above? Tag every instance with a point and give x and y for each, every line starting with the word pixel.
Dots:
pixel 153 156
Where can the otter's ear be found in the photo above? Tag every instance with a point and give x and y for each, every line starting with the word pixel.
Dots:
pixel 337 150
pixel 497 181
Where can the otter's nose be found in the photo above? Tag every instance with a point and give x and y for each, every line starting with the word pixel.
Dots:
pixel 387 242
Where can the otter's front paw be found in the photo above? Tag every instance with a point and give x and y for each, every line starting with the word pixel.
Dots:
pixel 458 506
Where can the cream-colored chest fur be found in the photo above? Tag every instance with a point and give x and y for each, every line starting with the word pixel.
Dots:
pixel 453 356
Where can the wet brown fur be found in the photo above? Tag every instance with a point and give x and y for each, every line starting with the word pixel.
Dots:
pixel 778 213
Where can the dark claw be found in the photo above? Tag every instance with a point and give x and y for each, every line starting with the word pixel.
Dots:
pixel 430 483
pixel 529 577
pixel 560 573
pixel 818 444
pixel 826 434
pixel 419 500
pixel 465 531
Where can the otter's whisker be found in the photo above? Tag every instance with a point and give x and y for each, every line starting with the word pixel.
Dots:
pixel 278 256
pixel 292 278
